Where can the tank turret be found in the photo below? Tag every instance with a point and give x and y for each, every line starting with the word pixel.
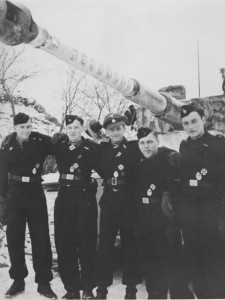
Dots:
pixel 17 27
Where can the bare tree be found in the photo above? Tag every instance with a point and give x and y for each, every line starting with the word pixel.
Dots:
pixel 104 100
pixel 12 73
pixel 72 97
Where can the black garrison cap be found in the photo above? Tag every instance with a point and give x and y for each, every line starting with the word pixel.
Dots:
pixel 189 108
pixel 20 118
pixel 69 119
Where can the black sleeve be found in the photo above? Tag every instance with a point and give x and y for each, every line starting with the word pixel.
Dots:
pixel 49 146
pixel 96 157
pixel 3 173
pixel 171 163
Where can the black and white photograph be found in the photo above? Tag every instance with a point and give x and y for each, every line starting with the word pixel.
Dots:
pixel 112 149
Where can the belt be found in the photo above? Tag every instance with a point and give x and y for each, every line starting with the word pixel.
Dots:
pixel 114 181
pixel 71 177
pixel 25 178
pixel 196 183
pixel 150 200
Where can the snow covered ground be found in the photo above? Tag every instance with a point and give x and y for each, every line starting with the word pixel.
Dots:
pixel 116 291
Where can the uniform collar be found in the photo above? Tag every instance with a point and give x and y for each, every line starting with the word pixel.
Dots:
pixel 205 135
pixel 124 140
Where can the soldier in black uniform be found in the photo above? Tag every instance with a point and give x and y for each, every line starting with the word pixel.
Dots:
pixel 22 160
pixel 157 236
pixel 76 210
pixel 202 204
pixel 116 164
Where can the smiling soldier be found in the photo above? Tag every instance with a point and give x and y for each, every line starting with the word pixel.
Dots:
pixel 201 204
pixel 75 211
pixel 116 161
pixel 22 158
pixel 157 237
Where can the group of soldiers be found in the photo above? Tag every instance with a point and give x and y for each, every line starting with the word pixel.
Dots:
pixel 167 206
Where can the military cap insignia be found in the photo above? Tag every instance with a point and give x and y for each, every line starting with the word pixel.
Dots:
pixel 152 187
pixel 149 192
pixel 184 111
pixel 72 147
pixel 116 174
pixel 198 176
pixel 113 120
pixel 121 167
pixel 204 172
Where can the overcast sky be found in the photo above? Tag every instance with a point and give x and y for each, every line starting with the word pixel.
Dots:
pixel 154 41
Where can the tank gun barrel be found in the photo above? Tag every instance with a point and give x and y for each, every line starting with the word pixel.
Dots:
pixel 17 27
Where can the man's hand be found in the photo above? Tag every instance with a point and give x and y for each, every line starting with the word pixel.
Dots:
pixel 59 137
pixel 3 221
pixel 94 130
pixel 167 206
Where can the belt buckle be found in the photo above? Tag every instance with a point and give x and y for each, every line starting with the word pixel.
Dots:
pixel 69 176
pixel 114 181
pixel 25 179
pixel 145 200
pixel 193 182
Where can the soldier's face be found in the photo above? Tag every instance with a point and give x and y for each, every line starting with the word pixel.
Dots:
pixel 193 125
pixel 149 145
pixel 116 133
pixel 23 131
pixel 74 131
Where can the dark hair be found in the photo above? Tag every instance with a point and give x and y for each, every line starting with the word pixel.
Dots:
pixel 144 131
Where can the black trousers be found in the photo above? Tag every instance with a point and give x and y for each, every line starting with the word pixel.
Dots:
pixel 203 225
pixel 76 236
pixel 26 204
pixel 116 217
pixel 161 258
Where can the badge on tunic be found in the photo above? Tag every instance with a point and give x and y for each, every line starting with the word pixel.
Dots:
pixel 10 149
pixel 72 147
pixel 152 187
pixel 198 176
pixel 37 165
pixel 149 192
pixel 79 156
pixel 34 171
pixel 75 166
pixel 204 171
pixel 121 167
pixel 113 120
pixel 72 169
pixel 116 174
pixel 118 154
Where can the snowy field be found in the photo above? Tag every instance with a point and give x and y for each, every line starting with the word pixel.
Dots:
pixel 116 291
